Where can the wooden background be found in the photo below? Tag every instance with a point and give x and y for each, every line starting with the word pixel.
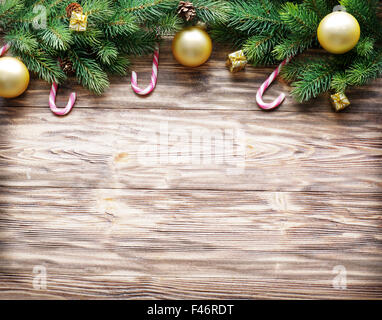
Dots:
pixel 78 198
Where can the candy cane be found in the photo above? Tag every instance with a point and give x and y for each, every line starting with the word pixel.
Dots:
pixel 266 84
pixel 52 103
pixel 154 77
pixel 4 49
pixel 53 92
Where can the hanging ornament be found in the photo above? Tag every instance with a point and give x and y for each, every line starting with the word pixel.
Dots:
pixel 339 101
pixel 14 77
pixel 192 47
pixel 339 32
pixel 53 91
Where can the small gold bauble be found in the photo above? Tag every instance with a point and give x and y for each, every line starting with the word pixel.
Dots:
pixel 14 77
pixel 192 47
pixel 339 32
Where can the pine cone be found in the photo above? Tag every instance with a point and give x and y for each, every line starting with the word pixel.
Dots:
pixel 186 10
pixel 74 6
pixel 66 66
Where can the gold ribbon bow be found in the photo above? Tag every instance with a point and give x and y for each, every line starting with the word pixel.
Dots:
pixel 339 101
pixel 78 21
pixel 236 61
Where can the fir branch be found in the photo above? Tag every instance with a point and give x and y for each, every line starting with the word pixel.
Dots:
pixel 339 82
pixel 293 70
pixel 320 7
pixel 88 39
pixel 8 9
pixel 365 46
pixel 292 46
pixel 269 30
pixel 258 49
pixel 57 36
pixel 140 43
pixel 165 25
pixel 222 33
pixel 88 72
pixel 314 80
pixel 107 53
pixel 122 24
pixel 98 11
pixel 211 11
pixel 22 41
pixel 119 67
pixel 148 10
pixel 300 19
pixel 365 69
pixel 42 64
pixel 252 17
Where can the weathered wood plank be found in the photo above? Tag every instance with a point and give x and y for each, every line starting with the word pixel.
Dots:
pixel 161 149
pixel 112 243
pixel 110 287
pixel 209 87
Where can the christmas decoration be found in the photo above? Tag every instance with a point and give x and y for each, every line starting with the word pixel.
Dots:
pixel 52 102
pixel 236 61
pixel 78 21
pixel 4 49
pixel 53 92
pixel 115 30
pixel 339 101
pixel 270 31
pixel 186 10
pixel 14 77
pixel 192 47
pixel 264 87
pixel 67 66
pixel 73 7
pixel 202 25
pixel 154 77
pixel 338 32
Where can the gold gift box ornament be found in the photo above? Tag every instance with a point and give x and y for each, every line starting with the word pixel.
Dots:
pixel 339 101
pixel 236 61
pixel 78 21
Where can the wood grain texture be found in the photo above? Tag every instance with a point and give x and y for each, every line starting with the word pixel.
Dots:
pixel 135 148
pixel 95 199
pixel 194 244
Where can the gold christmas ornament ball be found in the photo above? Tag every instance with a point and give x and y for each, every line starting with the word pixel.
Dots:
pixel 339 32
pixel 192 46
pixel 14 77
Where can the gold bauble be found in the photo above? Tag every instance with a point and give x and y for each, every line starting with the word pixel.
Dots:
pixel 338 32
pixel 192 46
pixel 14 77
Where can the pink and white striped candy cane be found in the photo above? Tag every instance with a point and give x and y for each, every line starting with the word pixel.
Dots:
pixel 154 77
pixel 264 87
pixel 4 49
pixel 53 93
pixel 52 101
